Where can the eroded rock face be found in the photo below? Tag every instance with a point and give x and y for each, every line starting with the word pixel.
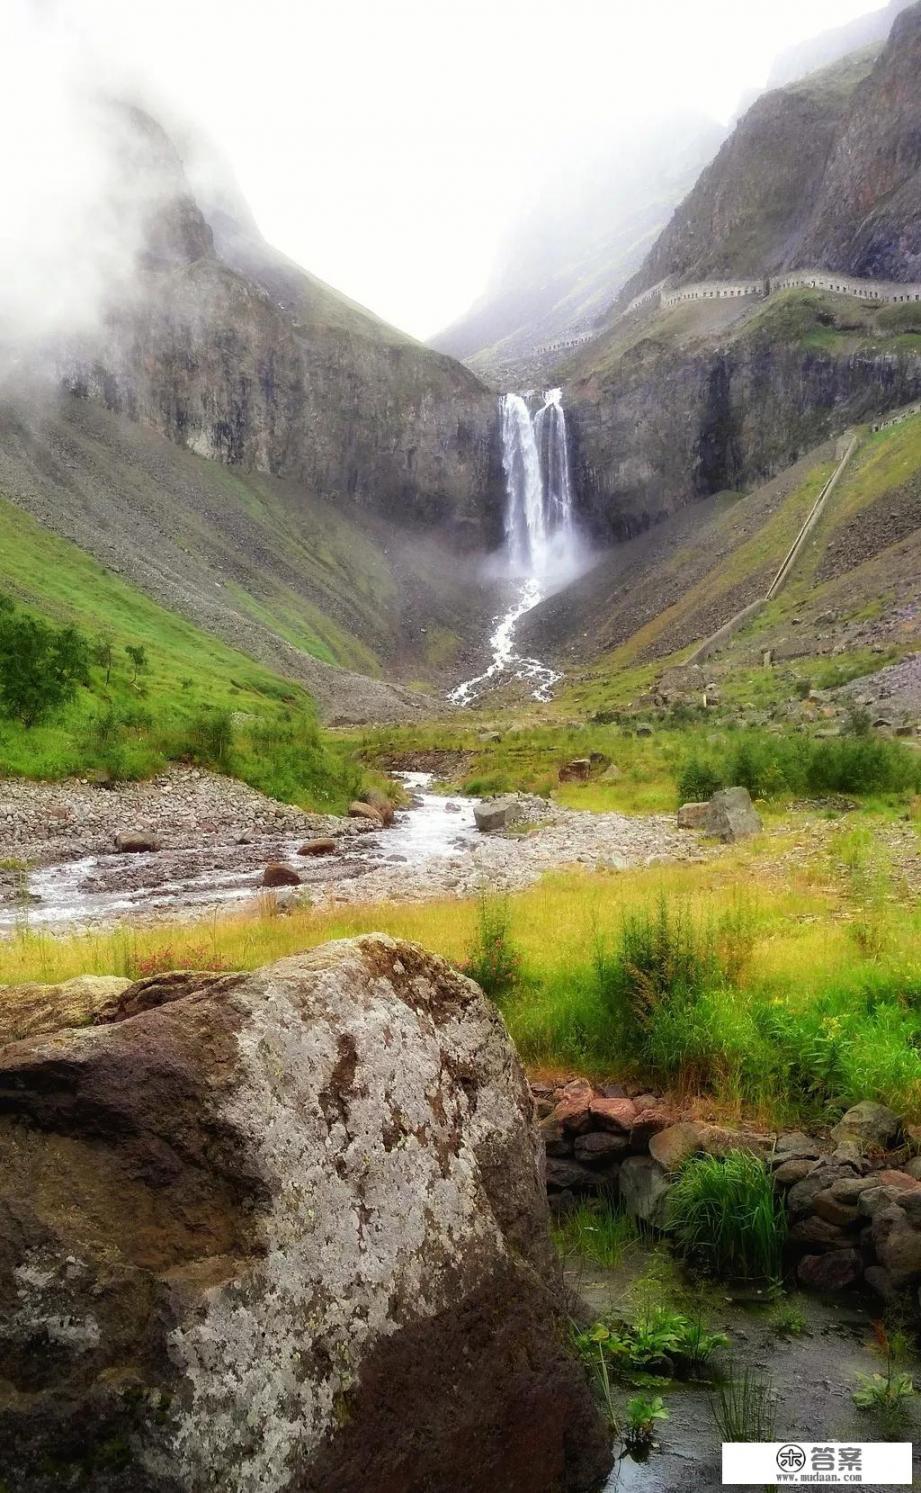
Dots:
pixel 284 1231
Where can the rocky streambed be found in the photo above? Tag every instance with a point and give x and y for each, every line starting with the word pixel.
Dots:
pixel 60 865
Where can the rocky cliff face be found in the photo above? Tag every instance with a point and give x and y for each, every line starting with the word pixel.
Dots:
pixel 227 348
pixel 867 215
pixel 663 427
pixel 823 172
pixel 826 172
pixel 283 1231
pixel 747 213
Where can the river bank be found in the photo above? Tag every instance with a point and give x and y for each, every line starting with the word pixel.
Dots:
pixel 61 866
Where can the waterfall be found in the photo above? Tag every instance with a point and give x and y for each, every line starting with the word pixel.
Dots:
pixel 538 485
pixel 540 535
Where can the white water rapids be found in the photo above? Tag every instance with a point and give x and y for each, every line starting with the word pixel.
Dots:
pixel 540 538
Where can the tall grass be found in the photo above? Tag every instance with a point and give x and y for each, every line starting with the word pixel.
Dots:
pixel 492 959
pixel 744 1406
pixel 725 1216
pixel 770 766
pixel 797 1024
pixel 596 1231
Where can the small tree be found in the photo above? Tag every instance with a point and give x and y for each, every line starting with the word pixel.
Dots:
pixel 104 655
pixel 138 656
pixel 41 667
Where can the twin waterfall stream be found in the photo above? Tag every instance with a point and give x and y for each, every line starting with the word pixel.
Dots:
pixel 540 537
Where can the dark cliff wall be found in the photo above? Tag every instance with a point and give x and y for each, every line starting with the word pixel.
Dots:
pixel 229 349
pixel 677 429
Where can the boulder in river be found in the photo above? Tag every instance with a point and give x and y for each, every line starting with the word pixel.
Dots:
pixel 359 810
pixel 496 813
pixel 277 874
pixel 286 1231
pixel 317 847
pixel 136 841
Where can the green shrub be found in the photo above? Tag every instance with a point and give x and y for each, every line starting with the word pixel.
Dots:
pixel 724 1215
pixel 41 667
pixel 211 738
pixel 699 780
pixel 770 766
pixel 662 959
pixel 492 960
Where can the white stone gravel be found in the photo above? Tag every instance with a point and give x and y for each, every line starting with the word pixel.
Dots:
pixel 508 862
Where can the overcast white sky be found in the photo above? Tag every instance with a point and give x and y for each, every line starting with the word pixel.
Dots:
pixel 387 144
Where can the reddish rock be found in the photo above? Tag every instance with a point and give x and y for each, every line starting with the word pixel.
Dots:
pixel 359 810
pixel 381 805
pixel 693 815
pixel 278 875
pixel 834 1271
pixel 613 1114
pixel 574 1114
pixel 903 1181
pixel 317 847
pixel 576 771
pixel 827 1206
pixel 136 842
pixel 817 1231
pixel 673 1146
pixel 649 1121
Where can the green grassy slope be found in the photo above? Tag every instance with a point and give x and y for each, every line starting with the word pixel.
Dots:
pixel 289 577
pixel 131 728
pixel 851 602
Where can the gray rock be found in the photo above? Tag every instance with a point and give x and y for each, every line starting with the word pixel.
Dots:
pixel 600 1146
pixel 731 815
pixel 868 1125
pixel 794 1143
pixel 279 1224
pixel 693 816
pixel 568 1175
pixel 794 1170
pixel 136 841
pixel 644 1190
pixel 496 813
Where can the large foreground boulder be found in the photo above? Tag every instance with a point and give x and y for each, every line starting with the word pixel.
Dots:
pixel 731 815
pixel 283 1231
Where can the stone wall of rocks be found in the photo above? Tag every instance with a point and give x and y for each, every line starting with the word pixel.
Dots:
pixel 853 1196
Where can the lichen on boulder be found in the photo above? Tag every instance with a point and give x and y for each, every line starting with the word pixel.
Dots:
pixel 283 1231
